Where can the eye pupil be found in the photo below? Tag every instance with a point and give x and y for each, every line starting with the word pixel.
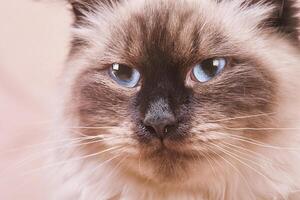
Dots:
pixel 210 67
pixel 124 75
pixel 122 72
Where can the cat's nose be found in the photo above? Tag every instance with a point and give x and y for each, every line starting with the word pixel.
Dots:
pixel 160 124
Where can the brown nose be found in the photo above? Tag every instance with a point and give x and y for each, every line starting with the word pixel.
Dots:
pixel 160 124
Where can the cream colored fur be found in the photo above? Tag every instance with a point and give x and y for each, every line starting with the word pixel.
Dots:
pixel 275 175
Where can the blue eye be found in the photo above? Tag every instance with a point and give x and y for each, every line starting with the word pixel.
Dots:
pixel 124 75
pixel 208 69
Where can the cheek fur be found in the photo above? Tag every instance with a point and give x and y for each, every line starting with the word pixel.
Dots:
pixel 241 99
pixel 100 102
pixel 241 90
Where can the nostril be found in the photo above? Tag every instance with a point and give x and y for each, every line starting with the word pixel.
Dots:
pixel 150 129
pixel 160 127
pixel 169 128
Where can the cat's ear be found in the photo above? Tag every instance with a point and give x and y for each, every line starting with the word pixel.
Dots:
pixel 81 7
pixel 285 16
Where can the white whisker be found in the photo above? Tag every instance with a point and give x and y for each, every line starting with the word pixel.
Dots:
pixel 39 154
pixel 238 158
pixel 235 168
pixel 41 144
pixel 257 143
pixel 71 160
pixel 93 127
pixel 243 117
pixel 254 154
pixel 261 129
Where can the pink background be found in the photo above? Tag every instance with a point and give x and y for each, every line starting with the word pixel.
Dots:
pixel 33 45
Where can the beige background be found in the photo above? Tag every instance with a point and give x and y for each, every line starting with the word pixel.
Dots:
pixel 33 44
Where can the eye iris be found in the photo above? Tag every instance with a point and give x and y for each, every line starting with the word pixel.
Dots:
pixel 208 69
pixel 124 75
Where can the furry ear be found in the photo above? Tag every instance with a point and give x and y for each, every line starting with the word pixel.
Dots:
pixel 289 17
pixel 285 17
pixel 80 7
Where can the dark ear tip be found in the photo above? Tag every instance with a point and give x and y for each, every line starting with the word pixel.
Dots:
pixel 285 17
pixel 289 18
pixel 79 7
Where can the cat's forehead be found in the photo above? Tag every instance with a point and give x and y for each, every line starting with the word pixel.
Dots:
pixel 182 32
pixel 168 32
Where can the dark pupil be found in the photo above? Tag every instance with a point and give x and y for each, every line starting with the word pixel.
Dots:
pixel 123 73
pixel 209 68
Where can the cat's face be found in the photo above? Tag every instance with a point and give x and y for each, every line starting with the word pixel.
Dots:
pixel 170 83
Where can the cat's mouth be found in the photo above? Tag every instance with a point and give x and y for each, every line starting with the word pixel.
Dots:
pixel 170 149
pixel 171 154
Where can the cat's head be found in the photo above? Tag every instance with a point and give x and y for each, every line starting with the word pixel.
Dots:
pixel 169 82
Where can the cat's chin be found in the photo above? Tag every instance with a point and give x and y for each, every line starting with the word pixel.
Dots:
pixel 169 149
pixel 168 162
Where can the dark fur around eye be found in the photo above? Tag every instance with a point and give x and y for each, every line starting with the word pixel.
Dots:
pixel 243 88
pixel 164 57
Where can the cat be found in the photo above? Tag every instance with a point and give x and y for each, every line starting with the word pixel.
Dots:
pixel 180 100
